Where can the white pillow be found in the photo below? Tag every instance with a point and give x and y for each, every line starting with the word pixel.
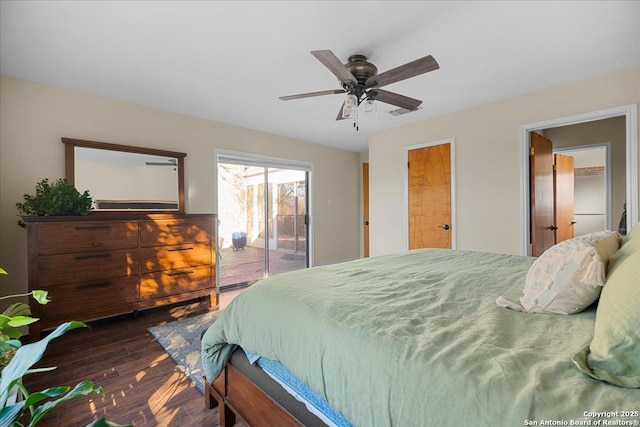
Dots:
pixel 567 277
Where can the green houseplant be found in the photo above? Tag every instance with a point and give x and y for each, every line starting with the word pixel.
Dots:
pixel 14 317
pixel 59 198
pixel 19 362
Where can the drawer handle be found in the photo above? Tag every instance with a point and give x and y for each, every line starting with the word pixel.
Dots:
pixel 81 257
pixel 93 227
pixel 180 273
pixel 187 248
pixel 93 285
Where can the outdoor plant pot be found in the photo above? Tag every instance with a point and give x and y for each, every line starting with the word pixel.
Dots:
pixel 239 240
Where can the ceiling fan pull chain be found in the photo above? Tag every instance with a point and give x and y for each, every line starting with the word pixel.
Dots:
pixel 355 119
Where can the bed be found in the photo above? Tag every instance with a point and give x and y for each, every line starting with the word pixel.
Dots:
pixel 417 339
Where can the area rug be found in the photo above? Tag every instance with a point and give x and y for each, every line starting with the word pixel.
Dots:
pixel 181 340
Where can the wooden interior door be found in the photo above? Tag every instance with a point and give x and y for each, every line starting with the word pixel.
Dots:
pixel 541 194
pixel 365 207
pixel 430 197
pixel 563 182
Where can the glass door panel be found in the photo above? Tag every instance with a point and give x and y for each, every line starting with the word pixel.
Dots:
pixel 288 246
pixel 262 222
pixel 240 230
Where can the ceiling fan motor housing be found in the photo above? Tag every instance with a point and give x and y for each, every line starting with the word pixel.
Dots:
pixel 361 70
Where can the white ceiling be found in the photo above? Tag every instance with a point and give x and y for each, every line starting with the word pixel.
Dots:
pixel 229 61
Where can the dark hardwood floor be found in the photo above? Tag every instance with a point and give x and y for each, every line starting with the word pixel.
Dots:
pixel 142 385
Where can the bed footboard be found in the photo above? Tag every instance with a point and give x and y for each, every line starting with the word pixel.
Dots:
pixel 214 395
pixel 235 394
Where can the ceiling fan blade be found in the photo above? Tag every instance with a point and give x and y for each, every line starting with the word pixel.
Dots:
pixel 310 94
pixel 394 99
pixel 334 65
pixel 411 69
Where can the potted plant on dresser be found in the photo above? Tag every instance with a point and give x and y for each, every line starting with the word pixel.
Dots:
pixel 59 198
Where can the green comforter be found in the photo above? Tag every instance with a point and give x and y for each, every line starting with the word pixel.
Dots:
pixel 416 339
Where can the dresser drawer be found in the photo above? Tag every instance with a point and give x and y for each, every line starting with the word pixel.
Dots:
pixel 172 282
pixel 55 238
pixel 174 257
pixel 175 232
pixel 83 298
pixel 81 267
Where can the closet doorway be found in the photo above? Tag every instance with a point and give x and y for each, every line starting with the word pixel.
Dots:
pixel 570 190
pixel 263 221
pixel 623 157
pixel 592 188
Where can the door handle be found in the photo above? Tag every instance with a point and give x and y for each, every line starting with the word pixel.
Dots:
pixel 444 227
pixel 573 222
pixel 187 248
pixel 83 257
pixel 552 227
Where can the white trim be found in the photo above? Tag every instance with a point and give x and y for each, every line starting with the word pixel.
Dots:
pixel 251 159
pixel 608 215
pixel 630 112
pixel 632 166
pixel 452 150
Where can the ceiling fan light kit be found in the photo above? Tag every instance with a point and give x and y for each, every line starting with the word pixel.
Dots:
pixel 350 105
pixel 361 82
pixel 370 106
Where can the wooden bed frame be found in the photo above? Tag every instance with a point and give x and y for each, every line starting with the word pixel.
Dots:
pixel 235 395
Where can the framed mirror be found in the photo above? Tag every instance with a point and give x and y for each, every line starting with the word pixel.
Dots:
pixel 126 178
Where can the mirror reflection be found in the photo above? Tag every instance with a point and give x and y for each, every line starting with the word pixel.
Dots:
pixel 126 178
pixel 120 180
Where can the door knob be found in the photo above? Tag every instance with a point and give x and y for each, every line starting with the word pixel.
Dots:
pixel 444 227
pixel 552 227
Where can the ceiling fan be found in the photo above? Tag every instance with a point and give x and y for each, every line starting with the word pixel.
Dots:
pixel 361 82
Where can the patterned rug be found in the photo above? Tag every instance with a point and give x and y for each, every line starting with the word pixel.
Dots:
pixel 181 340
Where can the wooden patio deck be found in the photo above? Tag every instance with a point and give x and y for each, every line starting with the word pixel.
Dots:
pixel 247 265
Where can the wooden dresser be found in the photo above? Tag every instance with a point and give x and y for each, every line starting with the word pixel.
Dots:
pixel 106 264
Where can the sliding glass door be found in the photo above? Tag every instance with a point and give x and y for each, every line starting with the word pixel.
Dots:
pixel 263 219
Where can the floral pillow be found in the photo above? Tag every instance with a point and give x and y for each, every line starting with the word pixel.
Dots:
pixel 568 277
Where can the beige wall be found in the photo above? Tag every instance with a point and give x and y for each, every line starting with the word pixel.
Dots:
pixel 487 160
pixel 33 118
